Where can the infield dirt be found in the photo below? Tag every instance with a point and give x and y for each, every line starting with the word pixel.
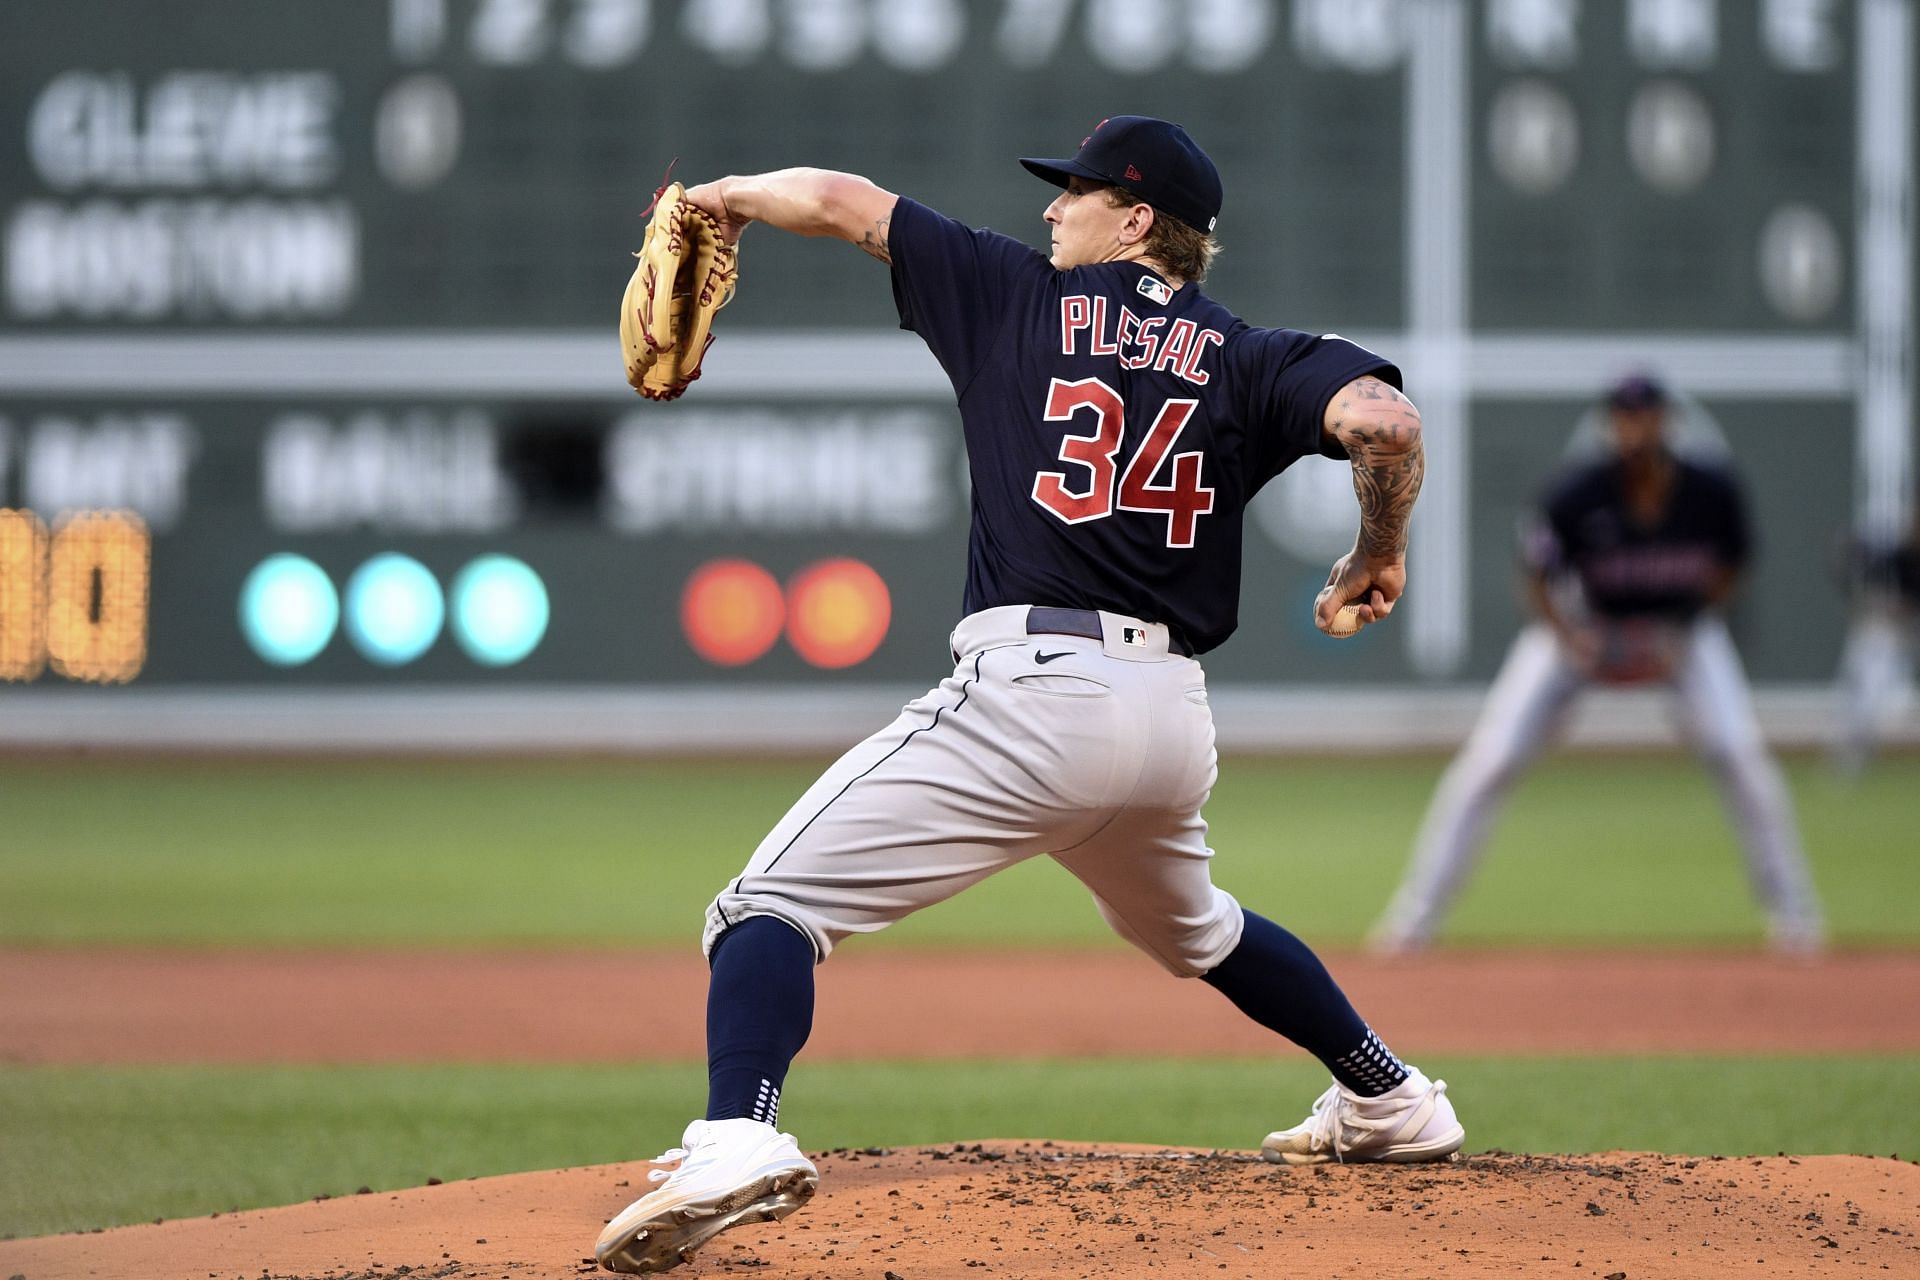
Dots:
pixel 150 1006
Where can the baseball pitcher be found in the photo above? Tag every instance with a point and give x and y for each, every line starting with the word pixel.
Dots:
pixel 1117 422
pixel 1651 544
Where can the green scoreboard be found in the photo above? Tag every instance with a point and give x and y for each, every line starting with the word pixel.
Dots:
pixel 309 375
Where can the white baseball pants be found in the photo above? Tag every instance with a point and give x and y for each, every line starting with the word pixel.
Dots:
pixel 1099 757
pixel 1526 705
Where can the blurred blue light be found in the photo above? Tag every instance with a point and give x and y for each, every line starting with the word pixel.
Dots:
pixel 288 609
pixel 394 609
pixel 499 610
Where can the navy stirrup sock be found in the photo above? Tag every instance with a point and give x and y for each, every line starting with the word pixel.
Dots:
pixel 1277 981
pixel 759 1012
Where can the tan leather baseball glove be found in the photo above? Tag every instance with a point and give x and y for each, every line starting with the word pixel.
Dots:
pixel 685 273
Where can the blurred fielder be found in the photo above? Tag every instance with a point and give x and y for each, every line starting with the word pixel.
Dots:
pixel 1637 551
pixel 1876 667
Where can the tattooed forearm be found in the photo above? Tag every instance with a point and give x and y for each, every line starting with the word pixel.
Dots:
pixel 874 240
pixel 1386 488
pixel 1380 430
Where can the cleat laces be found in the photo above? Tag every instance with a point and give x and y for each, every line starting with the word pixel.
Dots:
pixel 672 1155
pixel 1325 1127
pixel 1338 1124
pixel 677 1156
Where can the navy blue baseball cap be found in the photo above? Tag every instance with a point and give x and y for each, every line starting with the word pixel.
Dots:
pixel 1637 391
pixel 1152 159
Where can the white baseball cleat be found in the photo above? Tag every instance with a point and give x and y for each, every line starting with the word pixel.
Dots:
pixel 730 1172
pixel 1405 1125
pixel 1388 942
pixel 1398 933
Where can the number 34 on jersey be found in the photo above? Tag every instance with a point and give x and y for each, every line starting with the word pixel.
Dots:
pixel 1181 497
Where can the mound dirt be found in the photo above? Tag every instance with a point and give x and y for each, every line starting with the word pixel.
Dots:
pixel 1037 1209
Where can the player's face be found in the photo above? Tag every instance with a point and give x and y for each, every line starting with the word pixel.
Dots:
pixel 1085 225
pixel 1637 433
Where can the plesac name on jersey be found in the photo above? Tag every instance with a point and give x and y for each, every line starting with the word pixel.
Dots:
pixel 1140 342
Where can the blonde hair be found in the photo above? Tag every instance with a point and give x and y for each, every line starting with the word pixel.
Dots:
pixel 1184 251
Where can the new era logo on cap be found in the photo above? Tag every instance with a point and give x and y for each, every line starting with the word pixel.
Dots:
pixel 1153 160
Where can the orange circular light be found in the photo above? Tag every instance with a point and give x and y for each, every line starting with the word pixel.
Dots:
pixel 731 611
pixel 837 613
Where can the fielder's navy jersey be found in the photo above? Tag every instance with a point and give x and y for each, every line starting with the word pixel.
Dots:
pixel 1116 427
pixel 1666 568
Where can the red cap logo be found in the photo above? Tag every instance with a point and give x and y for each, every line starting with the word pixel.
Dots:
pixel 1133 174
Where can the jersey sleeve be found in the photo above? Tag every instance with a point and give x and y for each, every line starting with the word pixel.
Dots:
pixel 954 285
pixel 1292 377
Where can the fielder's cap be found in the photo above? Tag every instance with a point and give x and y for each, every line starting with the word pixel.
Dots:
pixel 1153 160
pixel 1637 391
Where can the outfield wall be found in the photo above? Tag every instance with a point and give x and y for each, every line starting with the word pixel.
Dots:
pixel 318 302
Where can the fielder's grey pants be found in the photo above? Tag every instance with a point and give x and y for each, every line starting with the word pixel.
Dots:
pixel 1100 757
pixel 1527 703
pixel 1876 680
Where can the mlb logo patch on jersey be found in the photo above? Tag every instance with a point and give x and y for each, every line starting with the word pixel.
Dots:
pixel 1155 288
pixel 1134 635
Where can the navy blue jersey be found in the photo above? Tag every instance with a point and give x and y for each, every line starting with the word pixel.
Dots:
pixel 1116 427
pixel 1666 568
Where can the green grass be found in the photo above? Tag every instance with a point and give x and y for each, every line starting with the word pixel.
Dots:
pixel 87 1147
pixel 616 853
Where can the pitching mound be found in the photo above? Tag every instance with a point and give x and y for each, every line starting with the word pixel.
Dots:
pixel 1023 1209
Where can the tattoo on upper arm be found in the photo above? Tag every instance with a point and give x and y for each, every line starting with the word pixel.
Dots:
pixel 873 241
pixel 1372 388
pixel 1380 430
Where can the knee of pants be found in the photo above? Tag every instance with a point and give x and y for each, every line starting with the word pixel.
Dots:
pixel 730 908
pixel 1727 751
pixel 1494 777
pixel 1495 762
pixel 1717 757
pixel 1186 947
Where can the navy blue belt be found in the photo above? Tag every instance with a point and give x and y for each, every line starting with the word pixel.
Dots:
pixel 1043 620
